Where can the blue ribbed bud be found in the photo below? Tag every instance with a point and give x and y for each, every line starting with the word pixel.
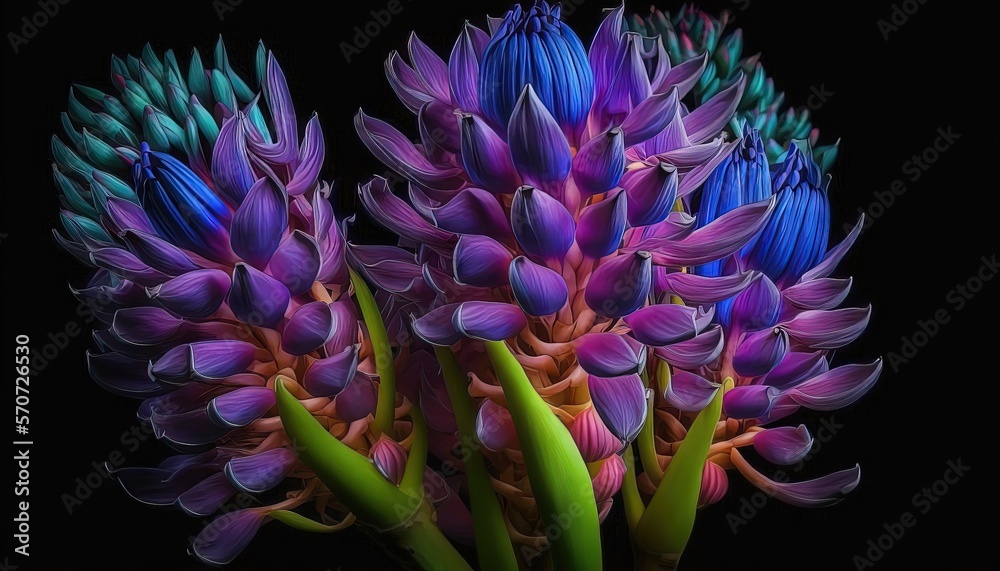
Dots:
pixel 535 47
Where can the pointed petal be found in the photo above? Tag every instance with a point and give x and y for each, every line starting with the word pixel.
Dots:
pixel 256 298
pixel 695 289
pixel 663 324
pixel 820 293
pixel 795 368
pixel 621 286
pixel 537 289
pixel 296 262
pixel 486 157
pixel 608 355
pixel 689 392
pixel 436 328
pixel 260 223
pixel 481 261
pixel 488 321
pixel 621 404
pixel 651 194
pixel 327 377
pixel 838 387
pixel 194 294
pixel 260 472
pixel 758 306
pixel 693 353
pixel 820 492
pixel 602 225
pixel 542 225
pixel 749 401
pixel 538 146
pixel 600 163
pixel 831 329
pixel 785 445
pixel 223 539
pixel 308 329
pixel 760 352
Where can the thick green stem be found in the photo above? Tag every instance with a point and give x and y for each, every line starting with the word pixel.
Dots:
pixel 666 525
pixel 630 491
pixel 385 409
pixel 426 546
pixel 558 475
pixel 647 443
pixel 492 542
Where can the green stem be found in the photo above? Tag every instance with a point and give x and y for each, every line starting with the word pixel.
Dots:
pixel 385 409
pixel 412 482
pixel 558 475
pixel 647 444
pixel 492 542
pixel 666 525
pixel 630 492
pixel 426 546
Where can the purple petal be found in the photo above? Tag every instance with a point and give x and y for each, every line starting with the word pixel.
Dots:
pixel 124 215
pixel 488 321
pixel 431 69
pixel 760 352
pixel 821 492
pixel 592 437
pixel 240 407
pixel 708 119
pixel 821 293
pixel 609 355
pixel 494 427
pixel 390 459
pixel 795 368
pixel 621 404
pixel 463 68
pixel 696 352
pixel 406 83
pixel 537 289
pixel 393 213
pixel 538 146
pixel 689 392
pixel 260 472
pixel 785 445
pixel 358 398
pixel 399 154
pixel 279 102
pixel 158 253
pixel 223 539
pixel 651 194
pixel 256 298
pixel 194 294
pixel 722 237
pixel 838 387
pixel 684 77
pixel 311 154
pixel 327 377
pixel 486 157
pixel 231 170
pixel 621 286
pixel 481 261
pixel 204 360
pixel 125 265
pixel 439 131
pixel 122 375
pixel 308 329
pixel 296 262
pixel 758 306
pixel 695 289
pixel 345 326
pixel 145 325
pixel 472 211
pixel 602 225
pixel 436 327
pixel 650 117
pixel 749 401
pixel 206 497
pixel 542 225
pixel 193 428
pixel 828 329
pixel 600 163
pixel 663 324
pixel 835 255
pixel 604 51
pixel 259 223
pixel 609 479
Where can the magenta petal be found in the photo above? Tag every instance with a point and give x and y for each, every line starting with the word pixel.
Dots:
pixel 206 497
pixel 537 289
pixel 204 360
pixel 602 225
pixel 695 289
pixel 683 77
pixel 399 154
pixel 821 293
pixel 473 211
pixel 308 329
pixel 608 480
pixel 619 287
pixel 650 117
pixel 223 539
pixel 124 264
pixel 784 445
pixel 259 223
pixel 158 253
pixel 707 120
pixel 663 324
pixel 821 492
pixel 345 326
pixel 621 404
pixel 689 392
pixel 463 68
pixel 240 407
pixel 286 131
pixel 542 225
pixel 486 157
pixel 260 472
pixel 436 328
pixel 760 352
pixel 481 261
pixel 608 355
pixel 600 163
pixel 592 437
pixel 405 82
pixel 835 255
pixel 431 69
pixel 758 306
pixel 714 484
pixel 390 459
pixel 795 368
pixel 749 401
pixel 693 353
pixel 488 321
pixel 296 262
pixel 231 170
pixel 256 298
pixel 494 427
pixel 145 325
pixel 832 329
pixel 651 194
pixel 123 215
pixel 538 146
pixel 358 398
pixel 194 294
pixel 399 217
pixel 838 387
pixel 311 155
pixel 439 131
pixel 327 377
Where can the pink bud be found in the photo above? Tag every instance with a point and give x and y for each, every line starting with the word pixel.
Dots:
pixel 714 484
pixel 390 459
pixel 592 437
pixel 609 479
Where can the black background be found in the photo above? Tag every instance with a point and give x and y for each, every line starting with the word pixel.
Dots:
pixel 889 98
